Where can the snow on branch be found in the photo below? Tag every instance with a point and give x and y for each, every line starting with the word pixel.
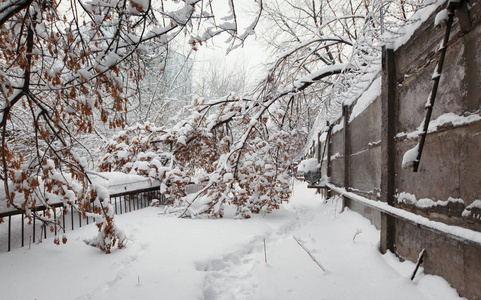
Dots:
pixel 72 71
pixel 10 8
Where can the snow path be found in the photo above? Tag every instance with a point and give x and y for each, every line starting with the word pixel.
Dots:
pixel 233 276
pixel 172 258
pixel 346 245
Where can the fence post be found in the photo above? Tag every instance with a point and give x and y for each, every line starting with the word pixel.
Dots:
pixel 33 228
pixel 63 218
pixel 347 153
pixel 23 230
pixel 388 150
pixel 55 218
pixel 44 227
pixel 71 215
pixel 9 232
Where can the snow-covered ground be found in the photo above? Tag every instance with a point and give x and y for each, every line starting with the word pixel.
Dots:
pixel 172 258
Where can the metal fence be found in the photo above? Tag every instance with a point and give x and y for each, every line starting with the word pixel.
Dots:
pixel 18 231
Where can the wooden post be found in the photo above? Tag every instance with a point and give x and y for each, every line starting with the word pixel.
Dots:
pixel 388 147
pixel 347 153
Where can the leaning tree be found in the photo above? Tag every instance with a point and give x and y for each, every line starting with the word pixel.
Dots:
pixel 64 67
pixel 242 147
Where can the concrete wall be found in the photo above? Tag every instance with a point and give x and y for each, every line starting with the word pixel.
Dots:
pixel 451 161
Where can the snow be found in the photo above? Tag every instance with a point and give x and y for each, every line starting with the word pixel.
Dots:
pixel 468 212
pixel 436 74
pixel 454 232
pixel 441 17
pixel 338 127
pixel 366 99
pixel 442 121
pixel 420 16
pixel 171 258
pixel 336 156
pixel 85 73
pixel 111 59
pixel 319 74
pixel 143 5
pixel 408 198
pixel 228 177
pixel 118 182
pixel 310 165
pixel 410 157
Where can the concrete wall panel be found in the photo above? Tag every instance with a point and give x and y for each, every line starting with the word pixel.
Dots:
pixel 365 129
pixel 365 168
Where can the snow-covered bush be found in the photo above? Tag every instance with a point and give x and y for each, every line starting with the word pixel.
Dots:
pixel 109 234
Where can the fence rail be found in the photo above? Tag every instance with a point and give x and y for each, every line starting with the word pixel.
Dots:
pixel 15 231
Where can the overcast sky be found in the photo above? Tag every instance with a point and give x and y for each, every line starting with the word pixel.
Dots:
pixel 249 57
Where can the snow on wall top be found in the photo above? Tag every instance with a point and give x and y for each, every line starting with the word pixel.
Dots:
pixel 421 16
pixel 366 99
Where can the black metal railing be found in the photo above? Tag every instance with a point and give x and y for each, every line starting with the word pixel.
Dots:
pixel 16 230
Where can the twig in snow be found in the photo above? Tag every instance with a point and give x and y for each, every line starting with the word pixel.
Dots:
pixel 358 231
pixel 420 261
pixel 312 257
pixel 265 251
